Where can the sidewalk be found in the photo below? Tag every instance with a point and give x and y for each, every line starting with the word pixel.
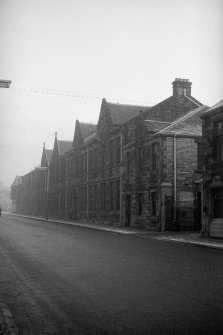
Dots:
pixel 178 237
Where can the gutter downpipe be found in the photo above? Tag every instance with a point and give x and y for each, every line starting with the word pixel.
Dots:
pixel 202 182
pixel 66 186
pixel 121 188
pixel 87 188
pixel 175 176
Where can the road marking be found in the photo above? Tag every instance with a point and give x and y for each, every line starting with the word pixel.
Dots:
pixel 6 321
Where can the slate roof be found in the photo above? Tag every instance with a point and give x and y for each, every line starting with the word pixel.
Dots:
pixel 185 129
pixel 87 129
pixel 64 146
pixel 155 125
pixel 162 116
pixel 122 113
pixel 90 137
pixel 216 106
pixel 186 125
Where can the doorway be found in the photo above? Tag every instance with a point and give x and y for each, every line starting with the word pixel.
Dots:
pixel 127 210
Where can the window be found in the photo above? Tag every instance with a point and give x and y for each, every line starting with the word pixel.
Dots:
pixel 95 159
pixel 85 198
pixel 126 135
pixel 140 158
pixel 85 161
pixel 217 141
pixel 102 156
pixel 207 122
pixel 153 203
pixel 81 198
pixel 90 198
pixel 95 197
pixel 103 196
pixel 154 156
pixel 199 156
pixel 140 201
pixel 111 152
pixel 218 126
pixel 111 196
pixel 117 195
pixel 82 163
pixel 90 160
pixel 117 147
pixel 217 148
pixel 128 163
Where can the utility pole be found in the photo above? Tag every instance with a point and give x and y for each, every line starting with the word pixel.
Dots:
pixel 121 181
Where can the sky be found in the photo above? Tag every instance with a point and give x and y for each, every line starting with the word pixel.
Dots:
pixel 64 56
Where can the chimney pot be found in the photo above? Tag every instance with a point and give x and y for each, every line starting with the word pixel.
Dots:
pixel 181 86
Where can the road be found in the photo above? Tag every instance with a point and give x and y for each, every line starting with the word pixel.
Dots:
pixel 61 279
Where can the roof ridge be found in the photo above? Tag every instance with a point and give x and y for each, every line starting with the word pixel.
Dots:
pixel 157 121
pixel 131 105
pixel 88 123
pixel 215 106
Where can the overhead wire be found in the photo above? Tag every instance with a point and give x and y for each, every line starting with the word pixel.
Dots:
pixel 76 94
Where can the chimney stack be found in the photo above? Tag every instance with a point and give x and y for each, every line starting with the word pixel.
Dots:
pixel 181 87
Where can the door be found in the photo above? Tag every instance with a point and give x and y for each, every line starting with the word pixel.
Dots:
pixel 127 210
pixel 197 211
pixel 218 203
pixel 169 213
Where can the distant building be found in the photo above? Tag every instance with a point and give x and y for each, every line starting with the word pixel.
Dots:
pixel 16 195
pixel 213 171
pixel 5 83
pixel 58 168
pixel 139 167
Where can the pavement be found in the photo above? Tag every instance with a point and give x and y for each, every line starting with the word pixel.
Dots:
pixel 194 238
pixel 57 279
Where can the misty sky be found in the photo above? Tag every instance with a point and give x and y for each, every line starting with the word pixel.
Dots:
pixel 64 56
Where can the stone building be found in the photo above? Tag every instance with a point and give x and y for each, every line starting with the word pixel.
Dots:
pixel 212 121
pixel 57 179
pixel 137 167
pixel 16 195
pixel 163 192
pixel 5 83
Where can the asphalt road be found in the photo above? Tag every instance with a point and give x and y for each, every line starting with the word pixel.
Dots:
pixel 61 279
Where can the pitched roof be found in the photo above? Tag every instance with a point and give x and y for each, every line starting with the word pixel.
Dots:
pixel 155 125
pixel 64 146
pixel 186 125
pixel 184 119
pixel 87 129
pixel 17 181
pixel 185 129
pixel 49 155
pixel 216 106
pixel 90 138
pixel 122 113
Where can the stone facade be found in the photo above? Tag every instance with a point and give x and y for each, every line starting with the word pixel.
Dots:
pixel 212 122
pixel 136 167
